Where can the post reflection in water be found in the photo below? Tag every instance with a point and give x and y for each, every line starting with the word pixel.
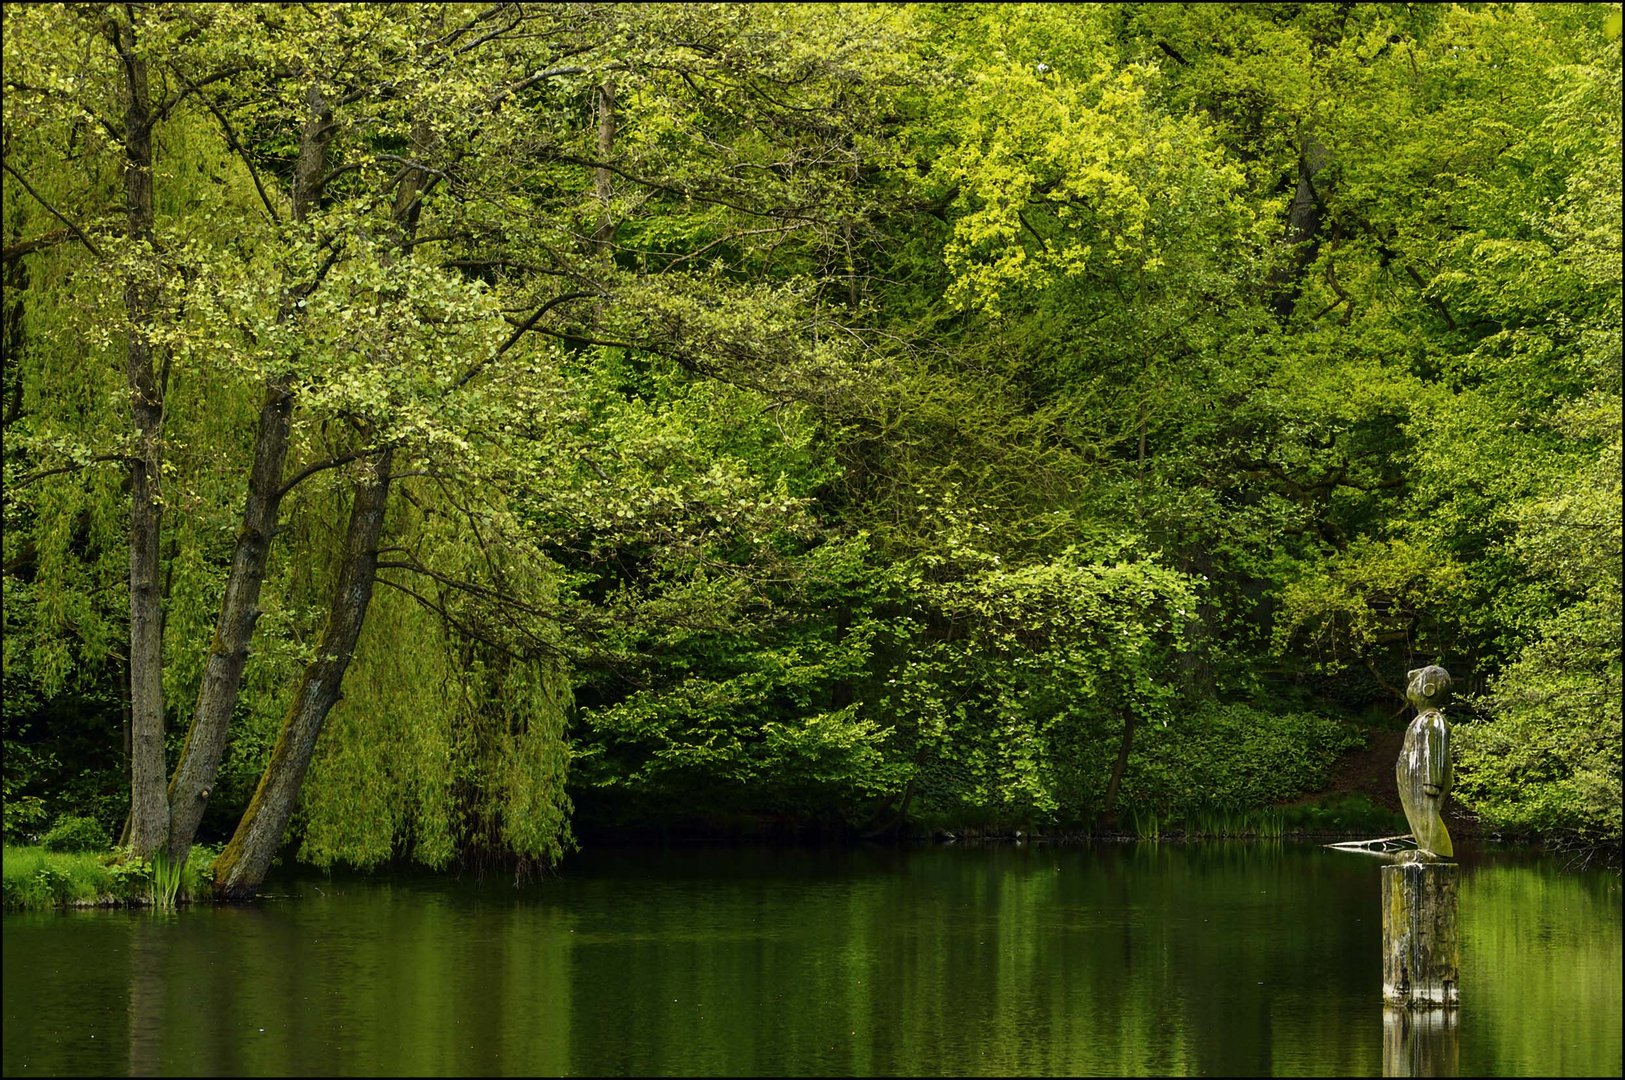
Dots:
pixel 1420 1042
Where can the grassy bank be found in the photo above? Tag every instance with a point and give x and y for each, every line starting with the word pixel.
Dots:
pixel 36 879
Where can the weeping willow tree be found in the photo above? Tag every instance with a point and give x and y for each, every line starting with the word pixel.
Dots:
pixel 305 280
pixel 448 740
pixel 277 331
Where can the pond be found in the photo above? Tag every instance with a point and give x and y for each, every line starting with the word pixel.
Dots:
pixel 1228 958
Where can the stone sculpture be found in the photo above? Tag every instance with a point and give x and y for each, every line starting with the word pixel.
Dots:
pixel 1423 768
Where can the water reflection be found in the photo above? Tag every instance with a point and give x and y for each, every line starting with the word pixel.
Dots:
pixel 1234 959
pixel 147 960
pixel 1420 1042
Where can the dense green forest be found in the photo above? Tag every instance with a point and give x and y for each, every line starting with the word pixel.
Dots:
pixel 434 430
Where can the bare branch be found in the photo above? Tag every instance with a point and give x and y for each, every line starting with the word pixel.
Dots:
pixel 466 586
pixel 490 35
pixel 1173 53
pixel 322 466
pixel 450 37
pixel 114 131
pixel 75 467
pixel 1435 301
pixel 321 184
pixel 237 148
pixel 189 87
pixel 519 332
pixel 23 247
pixel 661 185
pixel 731 236
pixel 440 610
pixel 531 80
pixel 76 230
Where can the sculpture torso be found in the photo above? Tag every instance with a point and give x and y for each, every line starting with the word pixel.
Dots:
pixel 1423 768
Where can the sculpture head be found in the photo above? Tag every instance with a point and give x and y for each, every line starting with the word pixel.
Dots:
pixel 1428 687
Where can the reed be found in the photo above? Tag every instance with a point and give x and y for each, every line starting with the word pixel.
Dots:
pixel 166 880
pixel 1234 825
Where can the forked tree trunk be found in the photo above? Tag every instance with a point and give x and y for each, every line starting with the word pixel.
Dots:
pixel 149 810
pixel 194 778
pixel 241 867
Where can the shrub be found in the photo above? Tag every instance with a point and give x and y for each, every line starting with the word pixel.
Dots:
pixel 1231 757
pixel 1344 815
pixel 197 879
pixel 74 833
pixel 24 815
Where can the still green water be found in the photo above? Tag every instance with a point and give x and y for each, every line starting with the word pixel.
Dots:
pixel 1240 959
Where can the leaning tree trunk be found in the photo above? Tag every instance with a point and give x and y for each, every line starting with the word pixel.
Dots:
pixel 194 778
pixel 149 810
pixel 241 867
pixel 228 654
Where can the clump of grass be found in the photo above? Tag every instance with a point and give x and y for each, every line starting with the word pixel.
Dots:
pixel 1210 825
pixel 1213 823
pixel 166 881
pixel 35 879
pixel 163 883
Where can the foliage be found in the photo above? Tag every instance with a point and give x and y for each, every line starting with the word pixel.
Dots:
pixel 1232 758
pixel 73 833
pixel 812 414
pixel 1343 815
pixel 1019 679
pixel 36 878
pixel 24 815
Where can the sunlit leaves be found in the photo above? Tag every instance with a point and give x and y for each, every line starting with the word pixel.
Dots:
pixel 1086 176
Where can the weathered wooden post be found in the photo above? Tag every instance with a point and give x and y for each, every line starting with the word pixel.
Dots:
pixel 1420 959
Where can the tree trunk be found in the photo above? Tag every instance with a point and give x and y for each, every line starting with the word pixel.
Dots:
pixel 194 778
pixel 16 289
pixel 604 235
pixel 241 867
pixel 1108 809
pixel 1303 225
pixel 149 810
